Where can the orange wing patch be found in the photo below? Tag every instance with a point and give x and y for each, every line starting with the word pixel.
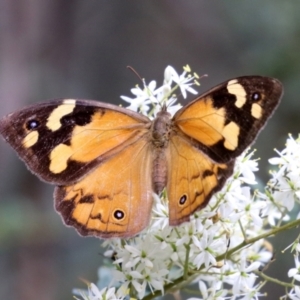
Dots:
pixel 94 139
pixel 202 121
pixel 113 200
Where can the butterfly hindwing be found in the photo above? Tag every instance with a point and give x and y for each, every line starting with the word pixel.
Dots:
pixel 193 179
pixel 225 120
pixel 62 140
pixel 113 200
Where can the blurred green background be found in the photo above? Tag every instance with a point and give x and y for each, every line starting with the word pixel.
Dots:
pixel 80 49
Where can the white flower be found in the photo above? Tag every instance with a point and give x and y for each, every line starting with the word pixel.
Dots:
pixel 140 255
pixel 242 280
pixel 143 98
pixel 212 293
pixel 252 210
pixel 95 294
pixel 233 201
pixel 247 167
pixel 286 181
pixel 259 252
pixel 160 213
pixel 297 247
pixel 206 248
pixel 251 291
pixel 272 211
pixel 294 294
pixel 283 195
pixel 295 272
pixel 143 263
pixel 184 82
pixel 155 98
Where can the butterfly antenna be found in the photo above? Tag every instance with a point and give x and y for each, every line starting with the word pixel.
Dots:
pixel 202 76
pixel 136 73
pixel 144 83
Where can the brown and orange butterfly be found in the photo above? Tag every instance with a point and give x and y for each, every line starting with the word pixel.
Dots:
pixel 107 161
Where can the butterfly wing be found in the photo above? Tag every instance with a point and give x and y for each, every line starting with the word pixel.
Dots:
pixel 98 155
pixel 226 120
pixel 62 140
pixel 209 133
pixel 192 179
pixel 115 199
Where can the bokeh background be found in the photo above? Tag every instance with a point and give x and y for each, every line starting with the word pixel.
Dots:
pixel 80 49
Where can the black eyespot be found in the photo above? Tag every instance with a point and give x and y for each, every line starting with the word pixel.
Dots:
pixel 256 96
pixel 32 124
pixel 182 199
pixel 119 214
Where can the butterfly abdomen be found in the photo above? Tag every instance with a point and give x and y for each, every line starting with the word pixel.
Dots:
pixel 160 140
pixel 159 171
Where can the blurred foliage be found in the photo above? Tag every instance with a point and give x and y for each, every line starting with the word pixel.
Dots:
pixel 55 49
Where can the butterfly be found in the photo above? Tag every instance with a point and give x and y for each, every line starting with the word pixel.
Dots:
pixel 107 161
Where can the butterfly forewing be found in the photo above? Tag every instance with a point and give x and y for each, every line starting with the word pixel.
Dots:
pixel 227 119
pixel 62 140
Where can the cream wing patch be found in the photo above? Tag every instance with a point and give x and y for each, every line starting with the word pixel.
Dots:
pixel 237 89
pixel 53 122
pixel 256 111
pixel 231 134
pixel 59 158
pixel 30 139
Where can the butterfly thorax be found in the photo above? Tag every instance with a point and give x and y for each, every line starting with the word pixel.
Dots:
pixel 161 129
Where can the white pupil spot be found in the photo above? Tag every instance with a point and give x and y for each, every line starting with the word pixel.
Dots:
pixel 32 124
pixel 182 200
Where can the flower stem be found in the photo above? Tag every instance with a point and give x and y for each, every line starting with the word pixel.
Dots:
pixel 186 263
pixel 271 279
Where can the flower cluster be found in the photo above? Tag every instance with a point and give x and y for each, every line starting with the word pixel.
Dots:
pixel 285 185
pixel 151 97
pixel 223 248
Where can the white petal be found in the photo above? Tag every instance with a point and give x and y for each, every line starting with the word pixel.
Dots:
pixel 292 272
